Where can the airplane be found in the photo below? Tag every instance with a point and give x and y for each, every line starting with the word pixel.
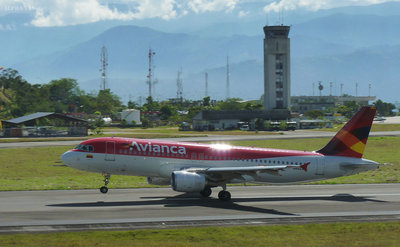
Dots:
pixel 194 167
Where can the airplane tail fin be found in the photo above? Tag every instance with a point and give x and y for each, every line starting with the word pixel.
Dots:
pixel 350 141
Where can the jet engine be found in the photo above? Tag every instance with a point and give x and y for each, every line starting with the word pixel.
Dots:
pixel 158 181
pixel 184 181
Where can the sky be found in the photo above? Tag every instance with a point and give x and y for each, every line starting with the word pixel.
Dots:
pixel 49 13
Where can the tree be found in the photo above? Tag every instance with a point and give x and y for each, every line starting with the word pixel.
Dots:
pixel 151 105
pixel 314 114
pixel 132 105
pixel 384 109
pixel 348 109
pixel 167 111
pixel 10 79
pixel 206 101
pixel 107 102
pixel 230 104
pixel 249 106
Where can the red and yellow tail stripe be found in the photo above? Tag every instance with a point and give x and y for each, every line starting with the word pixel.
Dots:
pixel 350 141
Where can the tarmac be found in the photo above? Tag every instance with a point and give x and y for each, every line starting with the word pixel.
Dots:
pixel 75 210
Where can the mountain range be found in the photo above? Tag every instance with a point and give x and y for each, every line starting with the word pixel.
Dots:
pixel 345 46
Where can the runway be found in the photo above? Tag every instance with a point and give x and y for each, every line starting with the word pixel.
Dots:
pixel 36 211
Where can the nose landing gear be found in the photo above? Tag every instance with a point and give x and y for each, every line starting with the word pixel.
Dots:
pixel 104 188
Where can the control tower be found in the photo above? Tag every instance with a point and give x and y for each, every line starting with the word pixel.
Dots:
pixel 276 67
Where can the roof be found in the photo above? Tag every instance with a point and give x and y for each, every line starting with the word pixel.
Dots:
pixel 242 114
pixel 26 118
pixel 37 115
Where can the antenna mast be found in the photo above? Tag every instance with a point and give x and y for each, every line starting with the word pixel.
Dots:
pixel 356 89
pixel 179 85
pixel 227 78
pixel 206 84
pixel 104 64
pixel 149 76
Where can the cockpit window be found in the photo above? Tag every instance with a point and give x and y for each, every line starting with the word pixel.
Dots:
pixel 85 148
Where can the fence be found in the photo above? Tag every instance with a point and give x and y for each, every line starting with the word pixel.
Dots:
pixel 44 131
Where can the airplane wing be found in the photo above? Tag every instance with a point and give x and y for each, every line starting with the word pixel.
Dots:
pixel 350 166
pixel 219 174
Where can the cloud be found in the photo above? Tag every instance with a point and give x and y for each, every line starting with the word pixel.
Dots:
pixel 314 5
pixel 243 13
pixel 200 6
pixel 165 9
pixel 72 12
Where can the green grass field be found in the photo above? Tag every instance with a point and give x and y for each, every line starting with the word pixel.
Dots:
pixel 41 168
pixel 375 127
pixel 130 135
pixel 175 130
pixel 308 235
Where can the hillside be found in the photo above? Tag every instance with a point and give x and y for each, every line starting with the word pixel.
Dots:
pixel 344 45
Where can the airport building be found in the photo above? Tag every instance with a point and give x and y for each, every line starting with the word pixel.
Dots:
pixel 276 67
pixel 303 104
pixel 221 120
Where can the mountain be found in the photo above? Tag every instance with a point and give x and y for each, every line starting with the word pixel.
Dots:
pixel 339 45
pixel 128 47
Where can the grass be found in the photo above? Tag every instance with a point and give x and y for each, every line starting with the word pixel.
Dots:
pixel 333 234
pixel 175 130
pixel 40 168
pixel 379 149
pixel 375 127
pixel 130 135
pixel 153 133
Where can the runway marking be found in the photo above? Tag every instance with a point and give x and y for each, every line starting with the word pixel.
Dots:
pixel 321 195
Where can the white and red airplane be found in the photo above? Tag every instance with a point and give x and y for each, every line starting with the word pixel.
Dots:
pixel 192 167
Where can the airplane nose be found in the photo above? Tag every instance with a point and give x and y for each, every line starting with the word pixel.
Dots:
pixel 67 158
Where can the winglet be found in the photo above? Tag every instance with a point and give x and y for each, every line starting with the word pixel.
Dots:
pixel 350 141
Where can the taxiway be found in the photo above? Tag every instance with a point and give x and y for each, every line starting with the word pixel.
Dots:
pixel 298 134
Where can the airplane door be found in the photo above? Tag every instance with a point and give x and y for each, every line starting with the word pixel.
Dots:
pixel 110 151
pixel 320 166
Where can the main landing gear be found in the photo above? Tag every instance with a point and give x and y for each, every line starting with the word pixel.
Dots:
pixel 206 192
pixel 104 188
pixel 223 195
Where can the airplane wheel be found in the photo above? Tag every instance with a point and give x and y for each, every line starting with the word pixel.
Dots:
pixel 206 192
pixel 104 189
pixel 224 195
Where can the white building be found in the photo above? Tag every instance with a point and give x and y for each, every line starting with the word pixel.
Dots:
pixel 130 115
